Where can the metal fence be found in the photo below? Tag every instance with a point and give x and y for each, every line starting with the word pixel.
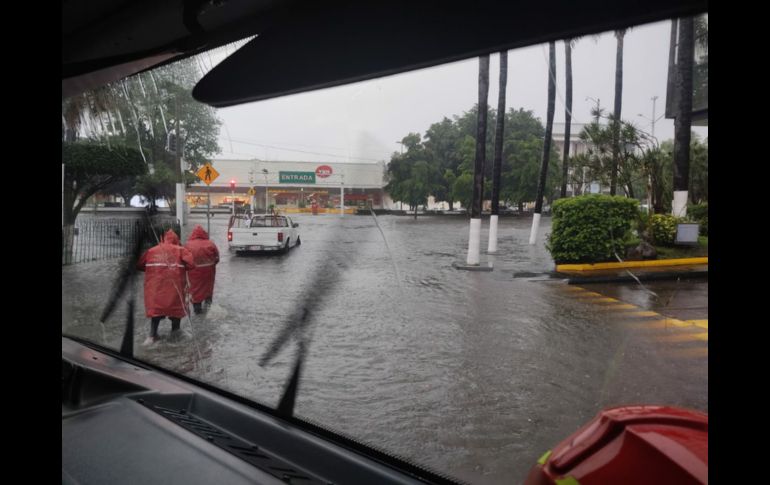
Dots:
pixel 102 238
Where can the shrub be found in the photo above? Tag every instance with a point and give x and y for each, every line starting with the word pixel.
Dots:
pixel 700 214
pixel 663 228
pixel 591 228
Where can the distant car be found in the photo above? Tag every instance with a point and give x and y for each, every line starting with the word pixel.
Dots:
pixel 262 233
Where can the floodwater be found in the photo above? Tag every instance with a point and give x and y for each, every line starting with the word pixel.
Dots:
pixel 474 374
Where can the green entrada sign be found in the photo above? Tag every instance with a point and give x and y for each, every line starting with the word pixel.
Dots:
pixel 296 177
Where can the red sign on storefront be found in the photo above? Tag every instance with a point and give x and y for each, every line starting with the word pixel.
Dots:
pixel 323 171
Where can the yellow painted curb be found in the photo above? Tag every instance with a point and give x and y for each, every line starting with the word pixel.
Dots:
pixel 632 264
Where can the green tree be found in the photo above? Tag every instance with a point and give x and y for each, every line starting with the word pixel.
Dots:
pixel 462 188
pixel 141 111
pixel 442 142
pixel 419 185
pixel 90 168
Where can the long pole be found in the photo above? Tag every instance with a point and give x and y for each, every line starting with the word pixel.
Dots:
pixel 208 210
pixel 233 200
pixel 649 175
pixel 180 189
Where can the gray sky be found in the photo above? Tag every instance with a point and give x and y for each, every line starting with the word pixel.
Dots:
pixel 362 122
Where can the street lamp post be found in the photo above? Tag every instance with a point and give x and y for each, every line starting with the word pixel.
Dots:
pixel 232 191
pixel 652 120
pixel 252 190
pixel 264 171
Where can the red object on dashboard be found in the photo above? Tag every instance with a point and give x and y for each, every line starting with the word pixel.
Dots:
pixel 630 445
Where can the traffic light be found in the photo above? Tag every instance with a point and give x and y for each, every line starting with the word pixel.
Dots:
pixel 232 184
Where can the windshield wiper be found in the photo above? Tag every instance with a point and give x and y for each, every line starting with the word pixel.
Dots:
pixel 297 327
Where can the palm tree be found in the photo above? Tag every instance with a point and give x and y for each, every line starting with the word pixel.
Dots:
pixel 546 142
pixel 568 43
pixel 474 241
pixel 619 35
pixel 683 119
pixel 498 161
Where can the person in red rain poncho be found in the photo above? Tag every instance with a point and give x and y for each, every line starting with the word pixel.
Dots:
pixel 202 277
pixel 165 282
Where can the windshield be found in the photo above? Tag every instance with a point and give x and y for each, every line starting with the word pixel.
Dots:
pixel 482 273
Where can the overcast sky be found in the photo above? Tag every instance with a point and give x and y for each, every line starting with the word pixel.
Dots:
pixel 362 122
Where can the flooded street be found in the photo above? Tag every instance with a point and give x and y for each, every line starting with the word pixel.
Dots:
pixel 475 374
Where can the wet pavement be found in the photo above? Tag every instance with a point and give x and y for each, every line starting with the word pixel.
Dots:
pixel 475 374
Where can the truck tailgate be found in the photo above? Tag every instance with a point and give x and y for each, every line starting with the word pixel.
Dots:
pixel 255 236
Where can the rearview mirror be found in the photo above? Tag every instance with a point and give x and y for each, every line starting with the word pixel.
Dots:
pixel 296 224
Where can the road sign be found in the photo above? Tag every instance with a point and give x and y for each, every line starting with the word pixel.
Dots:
pixel 252 191
pixel 207 174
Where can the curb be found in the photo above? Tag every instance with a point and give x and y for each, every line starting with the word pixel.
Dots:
pixel 659 276
pixel 658 263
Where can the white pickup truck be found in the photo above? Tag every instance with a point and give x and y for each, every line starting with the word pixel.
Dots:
pixel 262 233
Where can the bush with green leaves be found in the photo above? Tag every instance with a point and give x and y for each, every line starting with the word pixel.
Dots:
pixel 663 228
pixel 591 228
pixel 700 214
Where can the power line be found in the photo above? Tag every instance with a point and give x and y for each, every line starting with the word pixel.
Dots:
pixel 302 151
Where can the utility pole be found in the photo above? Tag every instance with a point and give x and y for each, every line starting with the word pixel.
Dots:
pixel 180 192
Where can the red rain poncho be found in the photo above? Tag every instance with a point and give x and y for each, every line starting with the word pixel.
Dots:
pixel 165 282
pixel 206 256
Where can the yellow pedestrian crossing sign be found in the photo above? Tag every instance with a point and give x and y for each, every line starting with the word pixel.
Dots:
pixel 207 174
pixel 252 191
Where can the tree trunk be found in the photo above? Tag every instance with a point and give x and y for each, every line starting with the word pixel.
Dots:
pixel 548 128
pixel 546 142
pixel 521 207
pixel 481 137
pixel 683 119
pixel 567 115
pixel 499 132
pixel 68 242
pixel 474 236
pixel 619 34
